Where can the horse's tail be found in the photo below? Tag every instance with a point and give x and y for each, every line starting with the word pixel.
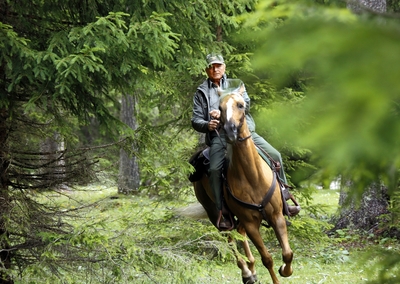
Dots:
pixel 194 211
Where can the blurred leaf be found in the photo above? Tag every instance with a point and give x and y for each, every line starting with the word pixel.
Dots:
pixel 349 118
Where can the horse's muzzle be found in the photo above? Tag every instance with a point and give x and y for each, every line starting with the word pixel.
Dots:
pixel 231 131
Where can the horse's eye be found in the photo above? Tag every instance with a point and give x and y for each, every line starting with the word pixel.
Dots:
pixel 239 105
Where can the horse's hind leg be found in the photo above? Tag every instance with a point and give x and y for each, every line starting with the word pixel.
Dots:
pixel 254 235
pixel 248 271
pixel 279 225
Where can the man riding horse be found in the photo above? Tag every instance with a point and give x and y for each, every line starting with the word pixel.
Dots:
pixel 205 119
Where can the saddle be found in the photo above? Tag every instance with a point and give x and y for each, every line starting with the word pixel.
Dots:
pixel 200 161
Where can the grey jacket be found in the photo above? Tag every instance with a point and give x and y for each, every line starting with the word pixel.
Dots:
pixel 205 94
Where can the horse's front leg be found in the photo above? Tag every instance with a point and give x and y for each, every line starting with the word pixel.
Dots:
pixel 249 275
pixel 279 226
pixel 253 232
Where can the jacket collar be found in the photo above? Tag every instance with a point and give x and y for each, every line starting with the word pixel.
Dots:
pixel 221 82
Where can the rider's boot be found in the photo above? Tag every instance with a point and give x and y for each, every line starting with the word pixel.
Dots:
pixel 224 221
pixel 293 210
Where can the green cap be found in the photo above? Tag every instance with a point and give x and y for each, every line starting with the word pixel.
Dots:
pixel 214 58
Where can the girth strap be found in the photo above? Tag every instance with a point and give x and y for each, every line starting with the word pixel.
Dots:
pixel 258 207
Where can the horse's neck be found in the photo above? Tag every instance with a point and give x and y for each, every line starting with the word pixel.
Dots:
pixel 244 153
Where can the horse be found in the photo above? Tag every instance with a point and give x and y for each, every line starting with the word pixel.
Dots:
pixel 251 192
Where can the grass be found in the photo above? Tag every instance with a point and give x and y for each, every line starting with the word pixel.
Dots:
pixel 146 242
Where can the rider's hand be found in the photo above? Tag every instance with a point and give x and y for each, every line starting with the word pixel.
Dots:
pixel 215 114
pixel 213 124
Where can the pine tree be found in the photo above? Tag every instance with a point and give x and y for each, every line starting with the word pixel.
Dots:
pixel 64 63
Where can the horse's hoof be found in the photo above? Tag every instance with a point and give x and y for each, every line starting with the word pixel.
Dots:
pixel 281 271
pixel 250 280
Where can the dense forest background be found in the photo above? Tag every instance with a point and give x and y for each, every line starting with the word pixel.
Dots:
pixel 101 91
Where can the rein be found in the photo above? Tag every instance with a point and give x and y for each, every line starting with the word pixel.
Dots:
pixel 276 164
pixel 222 142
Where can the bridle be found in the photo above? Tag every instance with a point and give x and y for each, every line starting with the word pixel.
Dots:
pixel 239 139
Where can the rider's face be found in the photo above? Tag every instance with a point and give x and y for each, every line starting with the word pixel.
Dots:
pixel 215 72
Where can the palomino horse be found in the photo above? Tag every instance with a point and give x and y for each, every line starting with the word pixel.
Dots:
pixel 249 180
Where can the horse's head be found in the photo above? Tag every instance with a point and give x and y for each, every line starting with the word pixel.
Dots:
pixel 232 107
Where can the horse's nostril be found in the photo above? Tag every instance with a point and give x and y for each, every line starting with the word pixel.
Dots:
pixel 234 128
pixel 231 131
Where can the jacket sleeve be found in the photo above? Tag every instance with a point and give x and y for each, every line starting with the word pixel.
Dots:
pixel 200 113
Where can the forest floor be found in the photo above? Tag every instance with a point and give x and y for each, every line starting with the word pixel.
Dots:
pixel 148 242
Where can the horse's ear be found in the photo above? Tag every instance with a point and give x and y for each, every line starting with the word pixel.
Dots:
pixel 241 89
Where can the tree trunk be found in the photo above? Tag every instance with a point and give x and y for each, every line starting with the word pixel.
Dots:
pixel 129 176
pixel 366 215
pixel 358 6
pixel 5 253
pixel 53 149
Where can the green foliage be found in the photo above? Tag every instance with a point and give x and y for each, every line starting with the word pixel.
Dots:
pixel 349 119
pixel 352 236
pixel 83 64
pixel 70 65
pixel 297 159
pixel 334 255
pixel 393 220
pixel 349 116
pixel 164 162
pixel 389 272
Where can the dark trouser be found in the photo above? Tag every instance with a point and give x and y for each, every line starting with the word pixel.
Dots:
pixel 217 158
pixel 263 144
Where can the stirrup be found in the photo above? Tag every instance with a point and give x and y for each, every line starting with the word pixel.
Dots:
pixel 227 224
